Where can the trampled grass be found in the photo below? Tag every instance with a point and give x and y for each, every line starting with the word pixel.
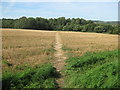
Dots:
pixel 96 70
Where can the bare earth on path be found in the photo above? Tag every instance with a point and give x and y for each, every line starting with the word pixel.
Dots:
pixel 60 60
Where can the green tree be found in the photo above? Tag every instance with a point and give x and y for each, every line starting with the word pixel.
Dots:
pixel 31 23
pixel 61 23
pixel 98 29
pixel 21 23
pixel 7 23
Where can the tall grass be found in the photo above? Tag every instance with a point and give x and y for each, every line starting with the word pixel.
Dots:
pixel 42 76
pixel 96 70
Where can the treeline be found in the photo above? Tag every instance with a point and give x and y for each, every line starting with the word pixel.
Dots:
pixel 61 23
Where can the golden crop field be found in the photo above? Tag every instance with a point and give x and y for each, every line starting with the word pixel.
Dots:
pixel 77 43
pixel 24 48
pixel 28 47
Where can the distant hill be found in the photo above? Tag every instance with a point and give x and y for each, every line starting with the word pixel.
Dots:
pixel 106 22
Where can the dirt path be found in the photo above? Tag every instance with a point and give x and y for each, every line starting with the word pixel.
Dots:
pixel 60 60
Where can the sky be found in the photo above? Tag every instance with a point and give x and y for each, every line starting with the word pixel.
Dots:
pixel 104 11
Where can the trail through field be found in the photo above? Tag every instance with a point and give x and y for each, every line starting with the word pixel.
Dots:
pixel 60 60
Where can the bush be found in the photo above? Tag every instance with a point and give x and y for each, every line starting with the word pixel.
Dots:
pixel 38 77
pixel 96 70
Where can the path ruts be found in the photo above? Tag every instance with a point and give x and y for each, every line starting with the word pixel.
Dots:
pixel 60 60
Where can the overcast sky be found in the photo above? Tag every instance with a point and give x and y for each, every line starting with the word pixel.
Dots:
pixel 106 11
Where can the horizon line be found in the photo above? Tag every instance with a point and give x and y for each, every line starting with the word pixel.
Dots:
pixel 58 17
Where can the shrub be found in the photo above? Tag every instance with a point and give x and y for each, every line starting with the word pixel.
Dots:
pixel 96 70
pixel 31 78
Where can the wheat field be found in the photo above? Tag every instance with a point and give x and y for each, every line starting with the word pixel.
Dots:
pixel 78 43
pixel 26 48
pixel 22 48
